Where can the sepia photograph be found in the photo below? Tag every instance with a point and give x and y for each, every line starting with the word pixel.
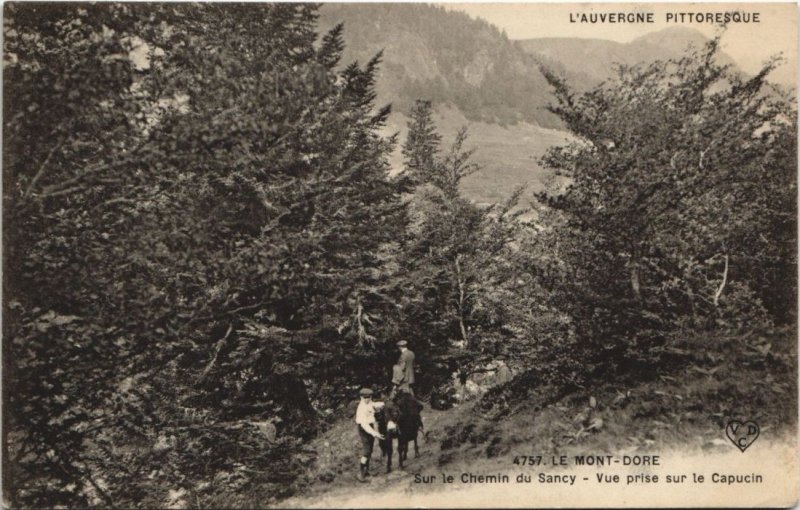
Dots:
pixel 399 255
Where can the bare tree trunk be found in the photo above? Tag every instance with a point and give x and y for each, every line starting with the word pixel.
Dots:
pixel 635 280
pixel 463 329
pixel 461 300
pixel 690 294
pixel 359 325
pixel 722 284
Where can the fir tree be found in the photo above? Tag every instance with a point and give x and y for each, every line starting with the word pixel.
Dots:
pixel 185 226
pixel 422 144
pixel 455 251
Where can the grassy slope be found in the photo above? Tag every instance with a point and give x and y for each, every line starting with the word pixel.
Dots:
pixel 508 155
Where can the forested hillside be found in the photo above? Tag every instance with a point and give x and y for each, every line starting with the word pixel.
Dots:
pixel 475 75
pixel 207 251
pixel 472 73
pixel 446 57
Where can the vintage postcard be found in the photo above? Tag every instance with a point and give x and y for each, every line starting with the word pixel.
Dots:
pixel 399 255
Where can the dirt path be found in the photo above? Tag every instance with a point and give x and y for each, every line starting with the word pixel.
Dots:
pixel 656 418
pixel 337 465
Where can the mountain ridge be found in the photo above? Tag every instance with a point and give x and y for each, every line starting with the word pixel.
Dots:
pixel 475 75
pixel 586 62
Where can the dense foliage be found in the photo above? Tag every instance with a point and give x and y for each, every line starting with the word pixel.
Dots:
pixel 206 253
pixel 459 257
pixel 185 186
pixel 675 211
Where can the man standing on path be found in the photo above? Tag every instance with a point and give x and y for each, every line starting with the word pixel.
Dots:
pixel 398 380
pixel 406 362
pixel 367 429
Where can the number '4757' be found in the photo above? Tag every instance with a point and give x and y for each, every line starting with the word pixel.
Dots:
pixel 528 460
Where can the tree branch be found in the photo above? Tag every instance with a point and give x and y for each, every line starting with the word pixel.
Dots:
pixel 703 153
pixel 218 348
pixel 88 475
pixel 223 314
pixel 42 168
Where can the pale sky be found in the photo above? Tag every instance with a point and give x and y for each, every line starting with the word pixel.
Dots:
pixel 748 44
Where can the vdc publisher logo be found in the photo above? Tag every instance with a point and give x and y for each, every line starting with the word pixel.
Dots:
pixel 742 434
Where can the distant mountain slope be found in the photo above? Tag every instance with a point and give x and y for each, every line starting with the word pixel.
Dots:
pixel 475 75
pixel 587 62
pixel 508 155
pixel 444 56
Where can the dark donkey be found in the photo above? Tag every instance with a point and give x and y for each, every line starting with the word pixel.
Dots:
pixel 399 419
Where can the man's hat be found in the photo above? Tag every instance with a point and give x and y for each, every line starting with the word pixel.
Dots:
pixel 365 392
pixel 402 343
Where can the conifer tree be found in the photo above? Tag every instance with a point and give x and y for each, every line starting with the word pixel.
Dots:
pixel 422 143
pixel 455 251
pixel 678 189
pixel 181 225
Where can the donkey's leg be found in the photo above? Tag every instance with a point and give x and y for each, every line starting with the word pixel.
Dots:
pixel 402 450
pixel 416 447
